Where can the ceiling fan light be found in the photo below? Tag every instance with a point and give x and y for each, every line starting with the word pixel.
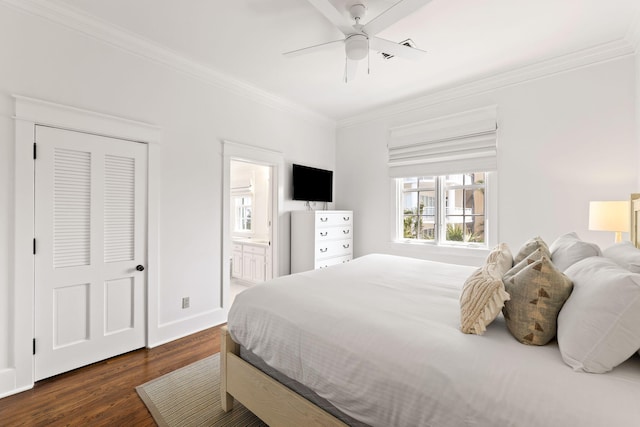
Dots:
pixel 357 47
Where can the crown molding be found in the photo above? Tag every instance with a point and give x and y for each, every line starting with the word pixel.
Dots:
pixel 123 39
pixel 586 57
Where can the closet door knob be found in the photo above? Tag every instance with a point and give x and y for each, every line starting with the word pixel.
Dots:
pixel 140 268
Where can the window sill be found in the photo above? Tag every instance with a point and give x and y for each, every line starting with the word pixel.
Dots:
pixel 453 254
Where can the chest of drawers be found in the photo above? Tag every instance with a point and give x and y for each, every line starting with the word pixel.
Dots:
pixel 320 239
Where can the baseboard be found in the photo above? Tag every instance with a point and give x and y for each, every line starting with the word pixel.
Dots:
pixel 8 383
pixel 171 331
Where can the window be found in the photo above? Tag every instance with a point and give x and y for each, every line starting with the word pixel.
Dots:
pixel 242 213
pixel 443 209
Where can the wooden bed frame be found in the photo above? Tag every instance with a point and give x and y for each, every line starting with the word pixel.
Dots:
pixel 268 399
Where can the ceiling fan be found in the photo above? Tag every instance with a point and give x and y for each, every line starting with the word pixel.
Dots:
pixel 358 38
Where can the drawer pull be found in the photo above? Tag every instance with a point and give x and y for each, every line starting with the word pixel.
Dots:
pixel 323 250
pixel 346 246
pixel 346 231
pixel 324 234
pixel 346 218
pixel 325 219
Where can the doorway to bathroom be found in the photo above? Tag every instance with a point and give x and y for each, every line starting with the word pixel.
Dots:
pixel 250 224
pixel 246 229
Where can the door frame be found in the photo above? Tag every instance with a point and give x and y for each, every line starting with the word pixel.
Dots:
pixel 262 156
pixel 30 112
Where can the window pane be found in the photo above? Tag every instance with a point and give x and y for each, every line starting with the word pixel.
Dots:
pixel 427 183
pixel 454 201
pixel 464 213
pixel 242 213
pixel 410 226
pixel 455 230
pixel 451 180
pixel 427 203
pixel 427 228
pixel 410 204
pixel 409 183
pixel 478 178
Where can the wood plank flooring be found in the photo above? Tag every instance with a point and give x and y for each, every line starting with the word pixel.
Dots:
pixel 103 394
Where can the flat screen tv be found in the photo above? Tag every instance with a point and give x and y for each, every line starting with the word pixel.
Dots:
pixel 311 184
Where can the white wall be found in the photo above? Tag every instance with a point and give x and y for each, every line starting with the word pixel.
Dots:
pixel 44 60
pixel 563 140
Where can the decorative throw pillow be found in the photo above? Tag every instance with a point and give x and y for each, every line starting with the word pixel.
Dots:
pixel 538 292
pixel 483 293
pixel 535 256
pixel 499 260
pixel 599 326
pixel 529 247
pixel 568 249
pixel 625 255
pixel 482 298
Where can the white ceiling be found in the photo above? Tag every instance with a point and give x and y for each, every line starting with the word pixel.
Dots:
pixel 465 40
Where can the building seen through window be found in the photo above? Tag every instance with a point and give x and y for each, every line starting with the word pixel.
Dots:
pixel 448 208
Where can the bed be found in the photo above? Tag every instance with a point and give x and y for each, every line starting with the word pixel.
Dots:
pixel 377 342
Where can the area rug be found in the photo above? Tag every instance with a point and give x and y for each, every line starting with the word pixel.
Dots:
pixel 190 396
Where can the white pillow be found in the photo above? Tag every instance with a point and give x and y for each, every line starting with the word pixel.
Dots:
pixel 599 325
pixel 568 249
pixel 625 255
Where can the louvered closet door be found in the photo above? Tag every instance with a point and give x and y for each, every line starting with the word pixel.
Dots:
pixel 90 232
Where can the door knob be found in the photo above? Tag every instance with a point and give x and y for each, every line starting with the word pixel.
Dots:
pixel 140 268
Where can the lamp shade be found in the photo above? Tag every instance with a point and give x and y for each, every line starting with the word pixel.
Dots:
pixel 609 216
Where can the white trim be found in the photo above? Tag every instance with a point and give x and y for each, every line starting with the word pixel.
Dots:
pixel 120 38
pixel 585 57
pixel 63 116
pixel 30 112
pixel 128 41
pixel 237 151
pixel 416 248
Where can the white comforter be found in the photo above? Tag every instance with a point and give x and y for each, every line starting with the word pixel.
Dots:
pixel 379 338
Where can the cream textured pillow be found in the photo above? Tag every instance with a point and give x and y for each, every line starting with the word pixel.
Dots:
pixel 568 249
pixel 499 260
pixel 538 292
pixel 483 294
pixel 625 255
pixel 599 326
pixel 529 247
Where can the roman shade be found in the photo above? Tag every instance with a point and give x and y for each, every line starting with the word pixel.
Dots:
pixel 457 143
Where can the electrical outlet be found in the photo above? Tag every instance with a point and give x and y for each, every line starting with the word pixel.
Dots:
pixel 185 302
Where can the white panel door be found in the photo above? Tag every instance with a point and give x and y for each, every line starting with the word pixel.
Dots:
pixel 90 249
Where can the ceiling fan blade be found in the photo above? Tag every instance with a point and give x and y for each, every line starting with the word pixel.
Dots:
pixel 333 15
pixel 350 69
pixel 392 15
pixel 396 49
pixel 312 49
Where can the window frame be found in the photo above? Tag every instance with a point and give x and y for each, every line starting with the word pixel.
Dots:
pixel 239 213
pixel 490 206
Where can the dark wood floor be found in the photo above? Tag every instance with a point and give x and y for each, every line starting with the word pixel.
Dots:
pixel 103 394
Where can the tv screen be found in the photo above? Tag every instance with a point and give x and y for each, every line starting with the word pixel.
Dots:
pixel 311 184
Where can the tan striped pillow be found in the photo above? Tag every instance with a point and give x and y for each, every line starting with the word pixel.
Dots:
pixel 529 247
pixel 537 292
